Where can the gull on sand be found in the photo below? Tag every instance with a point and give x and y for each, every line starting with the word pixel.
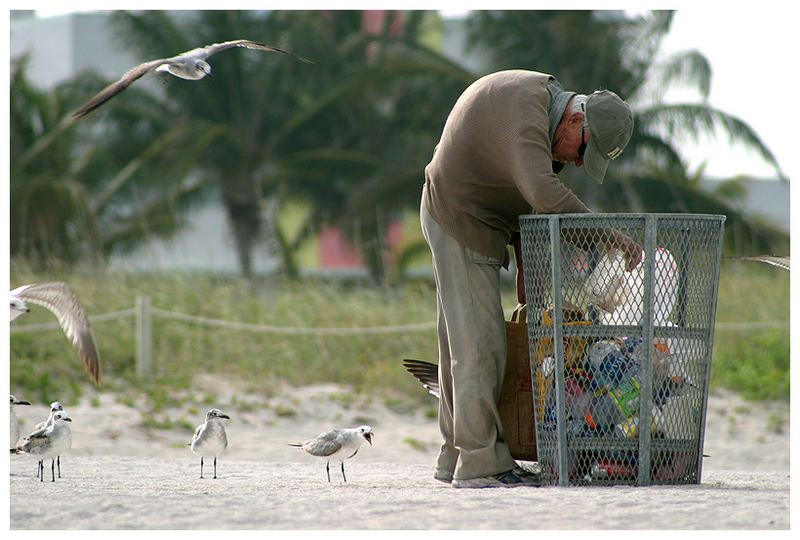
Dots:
pixel 337 444
pixel 209 438
pixel 13 423
pixel 49 443
pixel 190 65
pixel 54 408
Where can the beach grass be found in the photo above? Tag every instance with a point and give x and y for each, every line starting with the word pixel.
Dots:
pixel 751 360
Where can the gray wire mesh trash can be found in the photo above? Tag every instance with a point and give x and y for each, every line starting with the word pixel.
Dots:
pixel 620 361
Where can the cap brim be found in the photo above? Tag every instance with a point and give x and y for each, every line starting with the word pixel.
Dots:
pixel 594 162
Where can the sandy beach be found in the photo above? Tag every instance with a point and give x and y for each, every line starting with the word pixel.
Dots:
pixel 120 475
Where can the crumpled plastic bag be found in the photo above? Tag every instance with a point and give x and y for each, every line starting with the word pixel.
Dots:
pixel 618 293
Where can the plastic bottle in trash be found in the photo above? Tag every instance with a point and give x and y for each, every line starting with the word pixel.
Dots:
pixel 608 364
pixel 630 426
pixel 627 396
pixel 638 352
pixel 604 414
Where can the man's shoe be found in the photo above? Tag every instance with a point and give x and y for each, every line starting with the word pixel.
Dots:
pixel 443 475
pixel 530 478
pixel 506 479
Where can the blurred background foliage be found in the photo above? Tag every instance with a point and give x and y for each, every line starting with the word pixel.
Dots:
pixel 345 139
pixel 347 136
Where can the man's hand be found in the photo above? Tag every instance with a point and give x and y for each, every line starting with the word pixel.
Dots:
pixel 630 249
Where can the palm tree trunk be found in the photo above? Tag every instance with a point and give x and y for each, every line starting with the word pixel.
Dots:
pixel 242 204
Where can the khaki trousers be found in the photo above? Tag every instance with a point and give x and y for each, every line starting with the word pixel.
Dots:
pixel 472 356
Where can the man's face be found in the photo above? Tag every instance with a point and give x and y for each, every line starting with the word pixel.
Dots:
pixel 569 141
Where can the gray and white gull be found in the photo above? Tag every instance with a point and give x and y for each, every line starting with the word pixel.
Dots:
pixel 190 65
pixel 337 444
pixel 13 422
pixel 59 299
pixel 209 438
pixel 49 443
pixel 54 408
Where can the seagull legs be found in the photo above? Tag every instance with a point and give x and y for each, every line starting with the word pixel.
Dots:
pixel 201 466
pixel 215 467
pixel 53 469
pixel 40 470
pixel 58 461
pixel 328 470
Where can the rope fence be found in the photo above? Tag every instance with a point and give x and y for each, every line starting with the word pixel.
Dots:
pixel 144 312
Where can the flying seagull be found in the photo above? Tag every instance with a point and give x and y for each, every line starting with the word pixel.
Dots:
pixel 209 438
pixel 59 298
pixel 337 444
pixel 780 262
pixel 190 65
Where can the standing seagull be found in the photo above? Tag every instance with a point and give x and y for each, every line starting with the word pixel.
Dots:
pixel 49 442
pixel 337 444
pixel 59 298
pixel 13 423
pixel 209 438
pixel 54 408
pixel 190 65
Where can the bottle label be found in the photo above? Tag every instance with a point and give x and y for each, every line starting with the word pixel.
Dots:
pixel 626 396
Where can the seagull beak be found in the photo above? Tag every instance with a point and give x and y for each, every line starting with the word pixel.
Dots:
pixel 225 416
pixel 368 436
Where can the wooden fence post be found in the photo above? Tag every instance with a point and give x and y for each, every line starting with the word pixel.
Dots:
pixel 144 336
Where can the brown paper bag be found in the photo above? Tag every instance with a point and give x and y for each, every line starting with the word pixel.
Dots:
pixel 516 395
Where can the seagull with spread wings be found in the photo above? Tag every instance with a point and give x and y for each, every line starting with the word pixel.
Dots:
pixel 59 298
pixel 190 65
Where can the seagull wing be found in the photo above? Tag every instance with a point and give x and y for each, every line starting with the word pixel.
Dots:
pixel 198 430
pixel 39 432
pixel 325 445
pixel 59 298
pixel 780 262
pixel 217 47
pixel 116 87
pixel 424 372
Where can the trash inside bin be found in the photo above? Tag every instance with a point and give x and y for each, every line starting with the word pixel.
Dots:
pixel 620 360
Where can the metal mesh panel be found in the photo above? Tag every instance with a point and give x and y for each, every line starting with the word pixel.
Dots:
pixel 607 344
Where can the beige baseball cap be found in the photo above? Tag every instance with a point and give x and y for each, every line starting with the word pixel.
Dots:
pixel 610 121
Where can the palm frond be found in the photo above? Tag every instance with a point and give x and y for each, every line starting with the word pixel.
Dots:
pixel 680 121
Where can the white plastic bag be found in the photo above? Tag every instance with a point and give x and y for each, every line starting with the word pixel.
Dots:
pixel 618 294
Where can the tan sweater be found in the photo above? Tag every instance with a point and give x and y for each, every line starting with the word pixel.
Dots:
pixel 494 162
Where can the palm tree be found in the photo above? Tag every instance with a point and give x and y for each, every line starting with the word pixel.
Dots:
pixel 335 135
pixel 69 200
pixel 383 97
